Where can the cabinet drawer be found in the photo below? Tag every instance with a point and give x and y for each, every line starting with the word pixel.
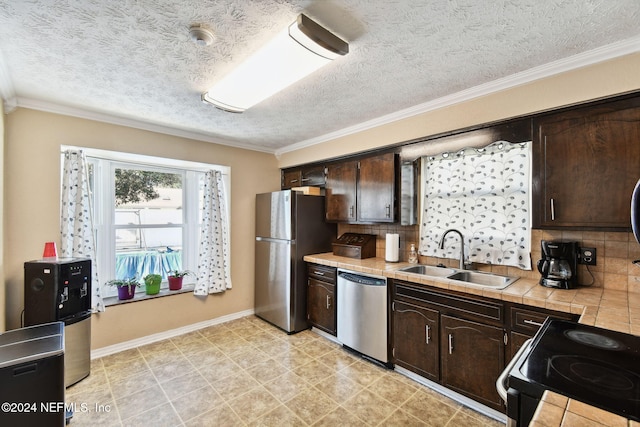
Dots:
pixel 529 320
pixel 449 303
pixel 322 272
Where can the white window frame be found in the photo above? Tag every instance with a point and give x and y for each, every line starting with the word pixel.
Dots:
pixel 105 162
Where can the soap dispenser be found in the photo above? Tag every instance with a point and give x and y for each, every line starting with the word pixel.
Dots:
pixel 413 254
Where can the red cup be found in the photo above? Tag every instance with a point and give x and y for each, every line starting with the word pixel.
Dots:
pixel 50 250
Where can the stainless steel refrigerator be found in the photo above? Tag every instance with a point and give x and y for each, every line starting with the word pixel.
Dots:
pixel 289 225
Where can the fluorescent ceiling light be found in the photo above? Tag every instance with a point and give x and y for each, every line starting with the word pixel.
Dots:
pixel 295 53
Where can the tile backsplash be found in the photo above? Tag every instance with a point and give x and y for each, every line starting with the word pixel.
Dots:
pixel 615 253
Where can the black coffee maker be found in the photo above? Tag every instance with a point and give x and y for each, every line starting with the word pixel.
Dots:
pixel 559 264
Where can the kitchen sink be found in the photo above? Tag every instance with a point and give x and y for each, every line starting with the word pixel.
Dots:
pixel 475 278
pixel 429 270
pixel 494 281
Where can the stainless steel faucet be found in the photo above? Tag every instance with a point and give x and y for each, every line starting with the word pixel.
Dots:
pixel 441 245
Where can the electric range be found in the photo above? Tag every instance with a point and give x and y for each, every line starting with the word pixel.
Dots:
pixel 596 366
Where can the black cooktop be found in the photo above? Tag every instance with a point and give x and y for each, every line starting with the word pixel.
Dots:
pixel 593 365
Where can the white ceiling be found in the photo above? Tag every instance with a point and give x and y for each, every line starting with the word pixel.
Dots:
pixel 132 62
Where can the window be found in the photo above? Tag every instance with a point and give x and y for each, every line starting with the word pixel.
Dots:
pixel 485 194
pixel 147 215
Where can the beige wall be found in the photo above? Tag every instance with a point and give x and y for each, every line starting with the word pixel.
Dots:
pixel 32 206
pixel 604 79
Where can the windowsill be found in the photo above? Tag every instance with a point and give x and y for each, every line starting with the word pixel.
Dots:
pixel 141 296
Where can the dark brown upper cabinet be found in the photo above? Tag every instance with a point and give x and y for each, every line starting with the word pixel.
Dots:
pixel 301 177
pixel 362 190
pixel 291 178
pixel 340 202
pixel 586 162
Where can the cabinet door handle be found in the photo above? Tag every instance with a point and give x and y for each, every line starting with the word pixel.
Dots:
pixel 293 180
pixel 531 322
pixel 318 273
pixel 388 211
pixel 553 210
pixel 306 179
pixel 427 329
pixel 450 343
pixel 328 302
pixel 351 211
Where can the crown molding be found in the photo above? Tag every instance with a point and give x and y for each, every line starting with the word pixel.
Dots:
pixel 7 89
pixel 591 57
pixel 65 110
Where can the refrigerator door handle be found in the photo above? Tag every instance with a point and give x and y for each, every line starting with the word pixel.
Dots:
pixel 270 239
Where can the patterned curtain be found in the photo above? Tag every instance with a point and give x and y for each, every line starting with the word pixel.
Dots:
pixel 76 218
pixel 484 193
pixel 214 260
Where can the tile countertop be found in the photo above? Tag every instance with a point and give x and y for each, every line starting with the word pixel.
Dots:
pixel 610 309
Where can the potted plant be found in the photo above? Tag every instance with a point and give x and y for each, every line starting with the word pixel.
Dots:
pixel 126 287
pixel 152 283
pixel 175 278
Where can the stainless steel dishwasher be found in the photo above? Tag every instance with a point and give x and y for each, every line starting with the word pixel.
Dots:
pixel 362 313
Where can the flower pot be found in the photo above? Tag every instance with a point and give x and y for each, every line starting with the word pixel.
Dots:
pixel 126 292
pixel 152 284
pixel 175 283
pixel 152 289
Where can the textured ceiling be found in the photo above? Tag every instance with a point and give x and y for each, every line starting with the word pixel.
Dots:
pixel 133 59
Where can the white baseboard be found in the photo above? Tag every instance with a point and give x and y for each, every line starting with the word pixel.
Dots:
pixel 111 349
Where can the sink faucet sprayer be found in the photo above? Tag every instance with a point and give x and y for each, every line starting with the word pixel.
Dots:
pixel 441 245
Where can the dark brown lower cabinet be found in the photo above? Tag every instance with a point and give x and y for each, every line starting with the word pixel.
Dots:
pixel 439 335
pixel 321 297
pixel 516 341
pixel 321 309
pixel 472 359
pixel 460 341
pixel 416 344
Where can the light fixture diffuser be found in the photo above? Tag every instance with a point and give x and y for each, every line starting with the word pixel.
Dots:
pixel 293 54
